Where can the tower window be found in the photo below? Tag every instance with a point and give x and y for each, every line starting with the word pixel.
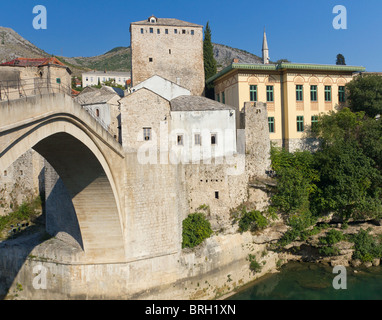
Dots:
pixel 146 134
pixel 216 194
pixel 214 139
pixel 169 51
pixel 300 124
pixel 314 121
pixel 253 93
pixel 270 97
pixel 299 92
pixel 198 139
pixel 328 93
pixel 271 124
pixel 313 93
pixel 179 140
pixel 341 94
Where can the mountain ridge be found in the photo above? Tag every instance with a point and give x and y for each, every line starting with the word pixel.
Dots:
pixel 13 45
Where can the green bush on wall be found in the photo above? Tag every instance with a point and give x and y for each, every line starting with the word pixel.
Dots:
pixel 196 228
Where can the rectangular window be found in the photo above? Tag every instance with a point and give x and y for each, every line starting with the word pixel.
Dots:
pixel 150 59
pixel 300 124
pixel 314 121
pixel 198 139
pixel 328 93
pixel 192 32
pixel 216 194
pixel 158 31
pixel 179 140
pixel 166 31
pixel 313 93
pixel 151 30
pixel 146 134
pixel 299 92
pixel 271 124
pixel 270 97
pixel 175 31
pixel 218 97
pixel 141 30
pixel 214 139
pixel 341 94
pixel 253 93
pixel 223 97
pixel 58 80
pixel 183 31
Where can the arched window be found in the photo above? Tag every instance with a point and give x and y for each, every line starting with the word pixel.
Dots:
pixel 97 113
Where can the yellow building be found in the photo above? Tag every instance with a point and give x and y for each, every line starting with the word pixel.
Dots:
pixel 295 93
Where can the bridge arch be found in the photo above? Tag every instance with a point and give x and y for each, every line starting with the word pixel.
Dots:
pixel 70 143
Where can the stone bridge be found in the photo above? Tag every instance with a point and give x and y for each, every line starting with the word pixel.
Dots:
pixel 87 158
pixel 129 215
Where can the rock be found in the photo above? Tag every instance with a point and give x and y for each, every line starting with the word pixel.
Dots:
pixel 340 262
pixel 356 263
pixel 368 264
pixel 376 262
pixel 377 222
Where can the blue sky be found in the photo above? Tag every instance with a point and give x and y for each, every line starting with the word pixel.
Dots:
pixel 298 30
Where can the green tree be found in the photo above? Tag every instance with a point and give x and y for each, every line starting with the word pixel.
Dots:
pixel 196 228
pixel 350 179
pixel 210 65
pixel 340 59
pixel 365 94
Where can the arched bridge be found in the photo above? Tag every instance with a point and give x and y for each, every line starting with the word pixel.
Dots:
pixel 87 158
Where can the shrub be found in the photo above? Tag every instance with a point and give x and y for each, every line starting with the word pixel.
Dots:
pixel 366 246
pixel 329 251
pixel 196 228
pixel 332 237
pixel 253 264
pixel 252 220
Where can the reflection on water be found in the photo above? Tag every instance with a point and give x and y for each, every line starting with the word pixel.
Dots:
pixel 305 281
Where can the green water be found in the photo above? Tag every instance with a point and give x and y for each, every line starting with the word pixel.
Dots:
pixel 303 281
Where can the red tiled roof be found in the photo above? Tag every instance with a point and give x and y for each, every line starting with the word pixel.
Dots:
pixel 27 62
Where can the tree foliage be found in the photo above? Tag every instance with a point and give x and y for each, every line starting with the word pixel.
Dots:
pixel 210 65
pixel 340 59
pixel 365 94
pixel 196 228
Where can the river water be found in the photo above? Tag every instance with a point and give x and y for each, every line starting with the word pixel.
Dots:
pixel 308 281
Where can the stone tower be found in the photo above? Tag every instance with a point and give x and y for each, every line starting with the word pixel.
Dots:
pixel 265 49
pixel 170 48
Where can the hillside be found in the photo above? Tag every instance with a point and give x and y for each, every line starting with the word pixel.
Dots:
pixel 12 45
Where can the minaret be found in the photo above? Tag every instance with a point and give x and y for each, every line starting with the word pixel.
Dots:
pixel 265 49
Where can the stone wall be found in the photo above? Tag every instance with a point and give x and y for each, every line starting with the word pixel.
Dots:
pixel 22 181
pixel 176 57
pixel 142 109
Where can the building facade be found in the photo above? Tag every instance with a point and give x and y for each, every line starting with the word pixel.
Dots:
pixel 93 78
pixel 295 93
pixel 170 48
